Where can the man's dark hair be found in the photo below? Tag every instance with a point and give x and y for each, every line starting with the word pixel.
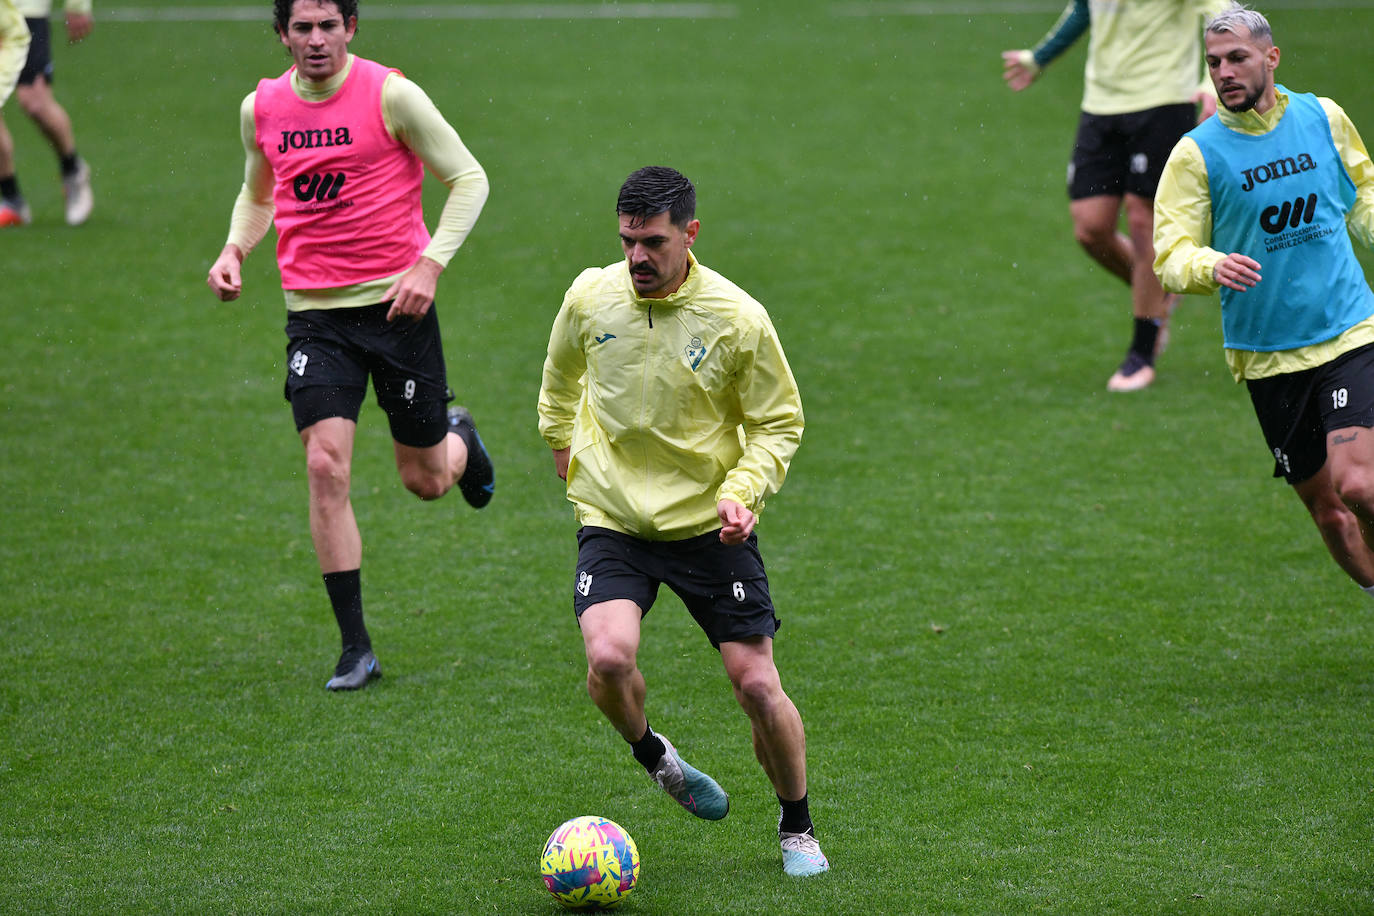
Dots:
pixel 657 189
pixel 281 12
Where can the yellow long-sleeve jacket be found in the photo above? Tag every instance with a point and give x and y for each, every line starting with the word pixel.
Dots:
pixel 14 47
pixel 42 9
pixel 667 405
pixel 1184 258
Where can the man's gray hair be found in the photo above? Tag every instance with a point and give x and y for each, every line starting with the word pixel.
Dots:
pixel 1238 15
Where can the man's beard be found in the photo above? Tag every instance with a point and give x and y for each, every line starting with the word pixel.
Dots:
pixel 1250 101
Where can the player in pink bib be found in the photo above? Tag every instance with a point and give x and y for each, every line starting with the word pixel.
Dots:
pixel 336 149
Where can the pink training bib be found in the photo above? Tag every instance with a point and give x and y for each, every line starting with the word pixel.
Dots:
pixel 347 193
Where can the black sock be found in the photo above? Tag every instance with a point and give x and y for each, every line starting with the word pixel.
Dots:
pixel 68 164
pixel 1143 342
pixel 796 818
pixel 649 749
pixel 346 595
pixel 9 188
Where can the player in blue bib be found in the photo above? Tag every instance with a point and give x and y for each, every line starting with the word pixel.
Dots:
pixel 1260 202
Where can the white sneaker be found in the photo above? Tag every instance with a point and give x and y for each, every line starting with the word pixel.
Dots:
pixel 77 191
pixel 802 856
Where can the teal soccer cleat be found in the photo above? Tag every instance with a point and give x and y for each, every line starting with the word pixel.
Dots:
pixel 689 787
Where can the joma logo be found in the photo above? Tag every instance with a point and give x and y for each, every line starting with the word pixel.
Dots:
pixel 1279 168
pixel 309 139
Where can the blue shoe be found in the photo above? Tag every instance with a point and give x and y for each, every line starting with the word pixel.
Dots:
pixel 355 668
pixel 802 856
pixel 689 787
pixel 478 482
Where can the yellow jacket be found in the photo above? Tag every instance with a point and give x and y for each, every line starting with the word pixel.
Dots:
pixel 667 405
pixel 14 47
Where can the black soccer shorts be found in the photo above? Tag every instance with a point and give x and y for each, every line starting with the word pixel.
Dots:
pixel 1125 153
pixel 724 586
pixel 39 61
pixel 331 353
pixel 1297 410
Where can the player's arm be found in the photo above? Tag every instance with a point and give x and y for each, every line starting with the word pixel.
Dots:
pixel 1185 262
pixel 565 364
pixel 415 121
pixel 79 20
pixel 773 424
pixel 14 47
pixel 1355 157
pixel 1205 95
pixel 1021 67
pixel 253 210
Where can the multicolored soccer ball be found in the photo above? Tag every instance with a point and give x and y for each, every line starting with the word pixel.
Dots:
pixel 590 863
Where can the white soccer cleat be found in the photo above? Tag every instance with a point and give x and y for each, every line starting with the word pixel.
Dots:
pixel 77 191
pixel 802 856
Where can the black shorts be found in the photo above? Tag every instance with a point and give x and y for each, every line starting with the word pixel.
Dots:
pixel 331 352
pixel 723 585
pixel 1125 153
pixel 1296 410
pixel 39 62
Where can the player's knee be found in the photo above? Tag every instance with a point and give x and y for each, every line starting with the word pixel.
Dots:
pixel 33 103
pixel 1356 489
pixel 1094 236
pixel 326 465
pixel 758 689
pixel 1140 224
pixel 608 661
pixel 426 486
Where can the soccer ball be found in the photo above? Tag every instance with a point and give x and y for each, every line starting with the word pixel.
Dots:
pixel 589 863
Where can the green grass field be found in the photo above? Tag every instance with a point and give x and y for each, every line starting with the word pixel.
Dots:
pixel 1056 651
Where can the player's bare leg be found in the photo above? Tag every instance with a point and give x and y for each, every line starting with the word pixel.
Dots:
pixel 1341 500
pixel 41 105
pixel 610 633
pixel 779 737
pixel 431 472
pixel 780 745
pixel 1095 221
pixel 14 210
pixel 338 544
pixel 328 465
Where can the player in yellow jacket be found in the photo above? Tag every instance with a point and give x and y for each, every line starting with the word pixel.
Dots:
pixel 1141 87
pixel 35 96
pixel 14 47
pixel 672 415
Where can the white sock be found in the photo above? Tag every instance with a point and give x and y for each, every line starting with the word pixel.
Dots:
pixel 1368 590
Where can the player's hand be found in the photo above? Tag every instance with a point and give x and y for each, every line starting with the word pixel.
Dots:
pixel 560 462
pixel 413 292
pixel 78 26
pixel 1207 105
pixel 736 522
pixel 225 277
pixel 1019 69
pixel 1237 272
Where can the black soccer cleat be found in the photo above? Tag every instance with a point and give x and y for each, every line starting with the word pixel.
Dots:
pixel 355 668
pixel 478 482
